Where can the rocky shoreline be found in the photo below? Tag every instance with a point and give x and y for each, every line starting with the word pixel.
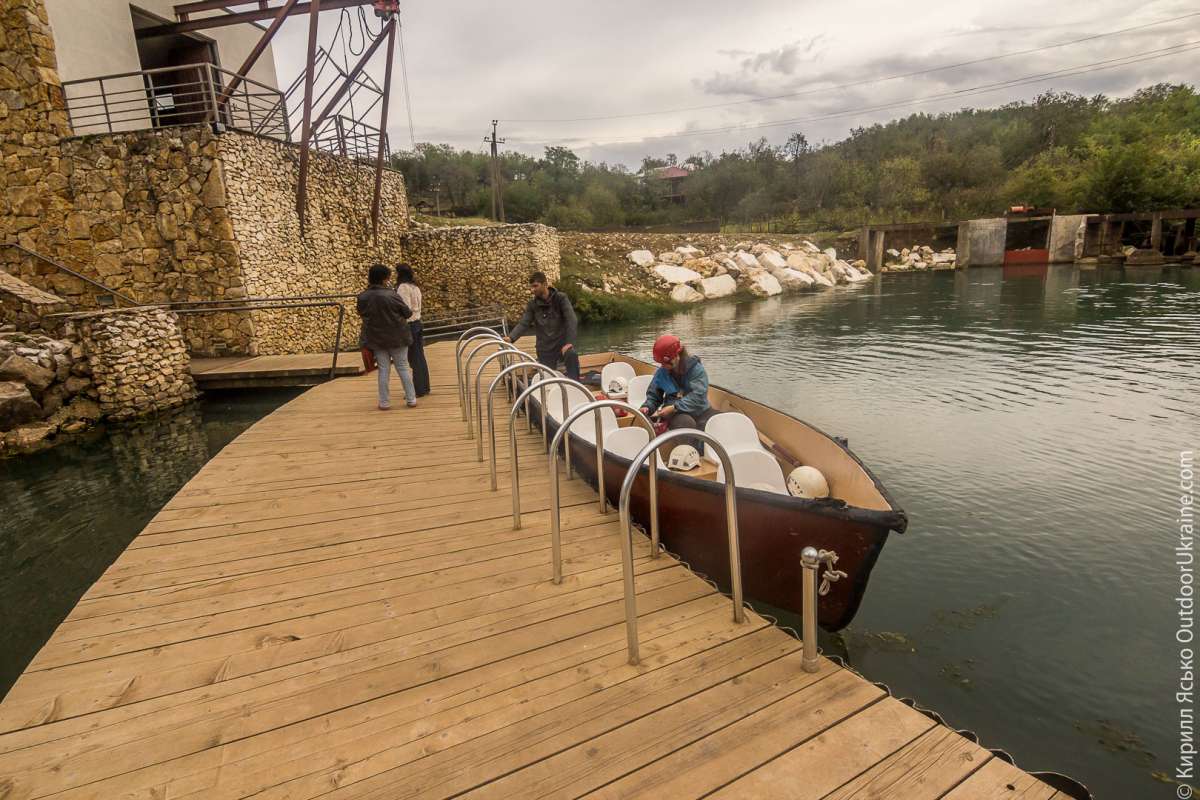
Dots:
pixel 693 268
pixel 919 259
pixel 46 390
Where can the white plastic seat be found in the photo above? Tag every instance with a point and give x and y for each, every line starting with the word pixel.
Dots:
pixel 626 442
pixel 638 386
pixel 585 426
pixel 735 432
pixel 617 369
pixel 755 469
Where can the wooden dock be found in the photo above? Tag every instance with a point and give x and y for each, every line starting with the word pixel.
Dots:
pixel 260 372
pixel 336 606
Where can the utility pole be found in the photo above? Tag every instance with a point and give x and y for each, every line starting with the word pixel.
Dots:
pixel 437 198
pixel 497 189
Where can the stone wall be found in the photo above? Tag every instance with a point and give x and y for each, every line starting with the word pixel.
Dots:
pixel 144 214
pixel 138 359
pixel 466 266
pixel 331 258
pixel 26 307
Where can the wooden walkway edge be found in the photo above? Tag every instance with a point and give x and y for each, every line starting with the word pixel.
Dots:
pixel 336 606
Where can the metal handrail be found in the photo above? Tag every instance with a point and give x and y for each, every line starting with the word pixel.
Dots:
pixel 69 271
pixel 337 341
pixel 488 342
pixel 506 351
pixel 556 511
pixel 190 100
pixel 512 436
pixel 491 415
pixel 735 560
pixel 481 332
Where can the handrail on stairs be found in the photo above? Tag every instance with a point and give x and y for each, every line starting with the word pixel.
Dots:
pixel 64 268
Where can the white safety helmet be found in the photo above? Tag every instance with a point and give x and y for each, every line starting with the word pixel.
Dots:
pixel 618 387
pixel 684 458
pixel 807 482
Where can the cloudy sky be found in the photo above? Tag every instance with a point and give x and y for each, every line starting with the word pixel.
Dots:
pixel 681 77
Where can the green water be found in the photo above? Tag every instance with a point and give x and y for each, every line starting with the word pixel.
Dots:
pixel 1030 423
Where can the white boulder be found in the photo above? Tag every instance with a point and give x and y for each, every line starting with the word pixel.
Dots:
pixel 687 251
pixel 764 284
pixel 682 293
pixel 793 279
pixel 673 275
pixel 771 260
pixel 744 260
pixel 720 286
pixel 809 246
pixel 642 258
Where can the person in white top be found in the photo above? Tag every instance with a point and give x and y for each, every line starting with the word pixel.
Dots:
pixel 410 293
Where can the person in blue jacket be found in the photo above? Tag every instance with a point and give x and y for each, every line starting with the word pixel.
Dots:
pixel 678 393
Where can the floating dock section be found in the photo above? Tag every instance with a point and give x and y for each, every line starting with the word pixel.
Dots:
pixel 336 606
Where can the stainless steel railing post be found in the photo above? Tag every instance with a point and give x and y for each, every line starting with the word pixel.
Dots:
pixel 491 415
pixel 458 348
pixel 564 430
pixel 488 342
pixel 508 351
pixel 512 438
pixel 810 560
pixel 735 561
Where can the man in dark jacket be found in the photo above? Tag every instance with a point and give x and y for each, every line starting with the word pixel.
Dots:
pixel 385 331
pixel 550 314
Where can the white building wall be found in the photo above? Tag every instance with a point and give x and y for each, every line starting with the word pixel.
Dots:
pixel 95 37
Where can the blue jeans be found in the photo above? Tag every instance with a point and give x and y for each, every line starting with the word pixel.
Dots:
pixel 399 357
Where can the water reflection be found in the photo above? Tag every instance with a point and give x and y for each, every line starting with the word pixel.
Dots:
pixel 1030 422
pixel 70 511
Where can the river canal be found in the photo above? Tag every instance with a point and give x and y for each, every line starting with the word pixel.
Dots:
pixel 1030 423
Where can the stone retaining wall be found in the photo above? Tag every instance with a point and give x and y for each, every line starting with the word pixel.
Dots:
pixel 331 258
pixel 139 361
pixel 466 266
pixel 25 307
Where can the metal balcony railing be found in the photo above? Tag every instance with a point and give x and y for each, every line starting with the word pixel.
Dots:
pixel 182 95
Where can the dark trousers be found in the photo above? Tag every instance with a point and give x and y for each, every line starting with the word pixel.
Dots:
pixel 416 359
pixel 569 362
pixel 697 421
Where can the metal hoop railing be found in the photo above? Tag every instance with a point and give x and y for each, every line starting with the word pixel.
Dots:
pixel 555 510
pixel 512 436
pixel 503 345
pixel 478 332
pixel 735 561
pixel 491 415
pixel 505 352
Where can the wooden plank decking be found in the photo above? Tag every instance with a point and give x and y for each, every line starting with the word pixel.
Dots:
pixel 336 606
pixel 243 372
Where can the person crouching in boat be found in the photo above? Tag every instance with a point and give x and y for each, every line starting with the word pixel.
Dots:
pixel 678 393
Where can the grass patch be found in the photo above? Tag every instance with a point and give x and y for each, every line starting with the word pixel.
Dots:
pixel 592 304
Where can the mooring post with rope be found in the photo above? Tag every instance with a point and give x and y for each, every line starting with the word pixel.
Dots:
pixel 811 560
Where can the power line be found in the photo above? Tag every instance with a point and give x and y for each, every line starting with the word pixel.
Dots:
pixel 412 133
pixel 1082 69
pixel 863 82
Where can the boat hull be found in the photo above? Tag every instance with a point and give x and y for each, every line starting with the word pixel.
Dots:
pixel 773 529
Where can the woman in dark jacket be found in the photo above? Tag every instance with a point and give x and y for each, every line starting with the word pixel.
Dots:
pixel 410 293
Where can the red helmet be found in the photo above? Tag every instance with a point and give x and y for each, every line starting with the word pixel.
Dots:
pixel 666 347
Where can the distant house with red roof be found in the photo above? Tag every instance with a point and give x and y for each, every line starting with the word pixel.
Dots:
pixel 672 182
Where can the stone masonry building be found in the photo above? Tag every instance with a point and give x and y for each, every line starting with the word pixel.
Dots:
pixel 166 208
